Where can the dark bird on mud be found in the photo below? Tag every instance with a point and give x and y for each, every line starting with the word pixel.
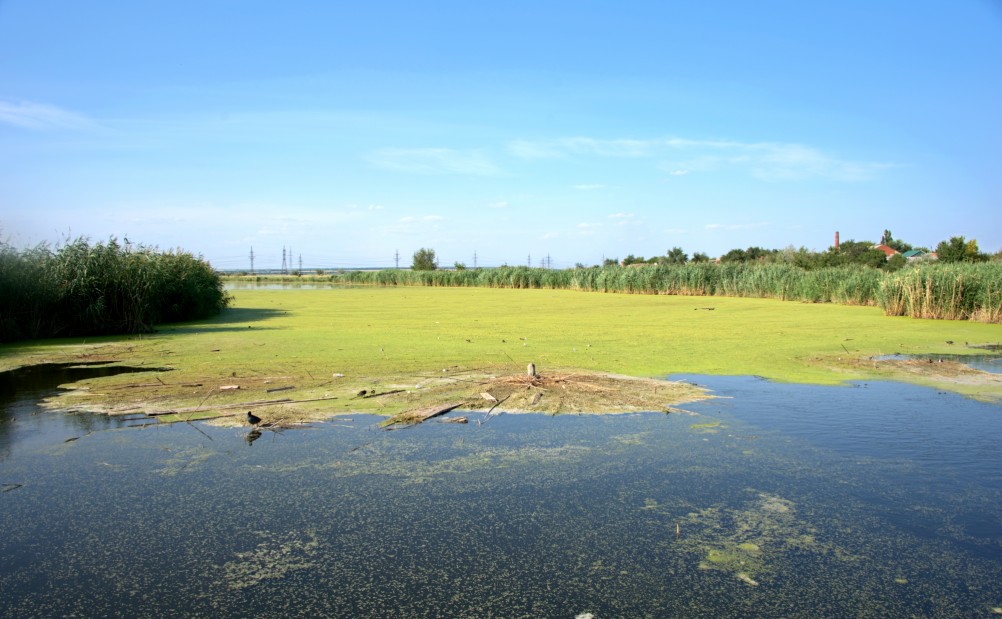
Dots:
pixel 361 394
pixel 253 419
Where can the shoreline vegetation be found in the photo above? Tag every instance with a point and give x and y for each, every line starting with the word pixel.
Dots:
pixel 84 289
pixel 948 291
pixel 393 341
pixel 301 355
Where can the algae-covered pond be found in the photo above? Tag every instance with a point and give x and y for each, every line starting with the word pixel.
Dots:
pixel 774 500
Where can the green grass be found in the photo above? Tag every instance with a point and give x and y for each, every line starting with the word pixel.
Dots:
pixel 386 336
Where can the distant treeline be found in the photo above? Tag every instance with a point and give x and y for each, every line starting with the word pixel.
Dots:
pixel 958 291
pixel 101 289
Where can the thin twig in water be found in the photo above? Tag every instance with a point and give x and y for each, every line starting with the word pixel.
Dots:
pixel 199 430
pixel 488 415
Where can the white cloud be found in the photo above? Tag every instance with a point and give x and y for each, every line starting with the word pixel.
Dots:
pixel 621 216
pixel 40 116
pixel 434 161
pixel 609 148
pixel 769 161
pixel 498 204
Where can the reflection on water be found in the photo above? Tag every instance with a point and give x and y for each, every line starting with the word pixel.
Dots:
pixel 286 285
pixel 985 363
pixel 24 423
pixel 876 500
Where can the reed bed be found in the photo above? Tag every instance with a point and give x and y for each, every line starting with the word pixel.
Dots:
pixel 948 291
pixel 958 291
pixel 104 288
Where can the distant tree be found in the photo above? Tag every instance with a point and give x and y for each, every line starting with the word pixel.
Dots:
pixel 854 252
pixel 895 263
pixel 631 259
pixel 700 257
pixel 424 260
pixel 751 254
pixel 735 255
pixel 894 243
pixel 610 262
pixel 760 254
pixel 677 256
pixel 460 266
pixel 957 249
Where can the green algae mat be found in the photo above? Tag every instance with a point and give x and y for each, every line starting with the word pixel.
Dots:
pixel 386 350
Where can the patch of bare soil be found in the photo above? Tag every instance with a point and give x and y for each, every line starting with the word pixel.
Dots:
pixel 941 373
pixel 571 392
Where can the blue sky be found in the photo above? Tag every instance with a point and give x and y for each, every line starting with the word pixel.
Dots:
pixel 576 130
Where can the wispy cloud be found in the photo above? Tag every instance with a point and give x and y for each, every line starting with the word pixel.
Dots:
pixel 40 116
pixel 498 204
pixel 588 187
pixel 769 161
pixel 565 147
pixel 434 161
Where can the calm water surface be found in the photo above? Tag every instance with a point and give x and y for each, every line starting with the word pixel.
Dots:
pixel 772 500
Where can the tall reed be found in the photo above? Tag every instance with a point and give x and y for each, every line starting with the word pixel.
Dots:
pixel 105 288
pixel 955 291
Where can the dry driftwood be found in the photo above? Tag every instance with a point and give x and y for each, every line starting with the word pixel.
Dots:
pixel 197 409
pixel 420 414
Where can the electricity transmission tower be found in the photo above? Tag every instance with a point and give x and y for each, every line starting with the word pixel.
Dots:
pixel 396 258
pixel 252 259
pixel 285 268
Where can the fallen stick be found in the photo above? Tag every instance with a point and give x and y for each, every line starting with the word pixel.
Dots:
pixel 237 405
pixel 418 415
pixel 376 395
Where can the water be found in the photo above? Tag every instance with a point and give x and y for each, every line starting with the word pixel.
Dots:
pixel 286 285
pixel 986 363
pixel 25 424
pixel 777 500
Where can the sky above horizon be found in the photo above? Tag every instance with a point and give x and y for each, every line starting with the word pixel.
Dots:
pixel 350 133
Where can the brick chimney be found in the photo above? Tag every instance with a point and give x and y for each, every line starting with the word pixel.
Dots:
pixel 836 240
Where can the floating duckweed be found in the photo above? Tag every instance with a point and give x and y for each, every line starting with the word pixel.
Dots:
pixel 273 558
pixel 186 461
pixel 709 427
pixel 748 542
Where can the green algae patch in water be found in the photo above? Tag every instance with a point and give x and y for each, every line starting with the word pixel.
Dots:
pixel 750 542
pixel 707 427
pixel 272 559
pixel 526 515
